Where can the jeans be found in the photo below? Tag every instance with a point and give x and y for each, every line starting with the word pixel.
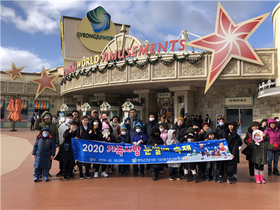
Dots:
pixel 270 157
pixel 207 169
pixel 174 171
pixel 136 169
pixel 37 172
pixel 68 169
pixel 87 170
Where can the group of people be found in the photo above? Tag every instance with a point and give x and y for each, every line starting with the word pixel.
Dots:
pixel 262 141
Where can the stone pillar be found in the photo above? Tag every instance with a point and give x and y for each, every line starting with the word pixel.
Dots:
pixel 186 93
pixel 150 102
pixel 276 34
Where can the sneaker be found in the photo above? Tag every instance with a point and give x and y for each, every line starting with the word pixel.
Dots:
pixel 170 178
pixel 276 172
pixel 36 179
pixel 104 174
pixel 60 173
pixel 178 178
pixel 46 179
pixel 71 177
pixel 229 180
pixel 65 178
pixel 207 179
pixel 120 174
pixel 110 171
pixel 88 176
pixel 186 178
pixel 195 178
pixel 142 175
pixel 134 174
pixel 235 177
pixel 95 175
pixel 215 179
pixel 81 176
pixel 124 173
pixel 220 180
pixel 269 173
pixel 252 178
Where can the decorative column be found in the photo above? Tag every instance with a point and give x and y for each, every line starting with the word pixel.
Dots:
pixel 276 33
pixel 183 94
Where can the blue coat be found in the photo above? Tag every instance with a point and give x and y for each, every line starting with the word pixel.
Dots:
pixel 43 148
pixel 138 136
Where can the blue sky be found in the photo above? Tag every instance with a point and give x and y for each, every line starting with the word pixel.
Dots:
pixel 30 34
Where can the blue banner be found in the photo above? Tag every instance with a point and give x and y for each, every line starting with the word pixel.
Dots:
pixel 89 151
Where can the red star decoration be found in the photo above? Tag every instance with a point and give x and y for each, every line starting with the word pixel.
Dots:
pixel 15 72
pixel 44 82
pixel 228 41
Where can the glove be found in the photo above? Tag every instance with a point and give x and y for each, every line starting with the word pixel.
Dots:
pixel 139 142
pixel 122 143
pixel 134 143
pixel 275 144
pixel 249 141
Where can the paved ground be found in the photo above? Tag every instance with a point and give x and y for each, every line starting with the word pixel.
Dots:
pixel 18 191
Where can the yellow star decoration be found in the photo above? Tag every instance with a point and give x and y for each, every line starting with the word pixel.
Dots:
pixel 44 82
pixel 15 72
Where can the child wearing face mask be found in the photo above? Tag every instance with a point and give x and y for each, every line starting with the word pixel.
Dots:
pixel 43 153
pixel 259 155
pixel 123 139
pixel 163 133
pixel 65 154
pixel 136 139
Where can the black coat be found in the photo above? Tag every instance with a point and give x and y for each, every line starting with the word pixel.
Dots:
pixel 148 128
pixel 178 129
pixel 112 137
pixel 220 131
pixel 90 122
pixel 66 156
pixel 81 133
pixel 183 133
pixel 122 138
pixel 155 140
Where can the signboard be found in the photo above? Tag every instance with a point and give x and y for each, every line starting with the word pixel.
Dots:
pixel 164 95
pixel 89 151
pixel 238 101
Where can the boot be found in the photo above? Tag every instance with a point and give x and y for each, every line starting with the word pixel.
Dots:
pixel 276 172
pixel 186 177
pixel 154 175
pixel 269 172
pixel 262 179
pixel 257 178
pixel 195 178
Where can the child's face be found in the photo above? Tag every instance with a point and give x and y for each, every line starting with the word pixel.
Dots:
pixel 173 135
pixel 211 136
pixel 257 134
pixel 45 131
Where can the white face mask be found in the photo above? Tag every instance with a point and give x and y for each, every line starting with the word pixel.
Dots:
pixel 123 133
pixel 95 123
pixel 106 130
pixel 138 130
pixel 221 123
pixel 161 129
pixel 68 121
pixel 189 140
pixel 85 127
pixel 74 129
pixel 277 120
pixel 152 119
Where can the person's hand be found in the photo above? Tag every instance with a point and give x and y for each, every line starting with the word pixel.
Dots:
pixel 134 143
pixel 232 156
pixel 122 143
pixel 155 145
pixel 90 132
pixel 51 157
pixel 139 142
pixel 264 134
pixel 173 140
pixel 275 144
pixel 33 157
pixel 127 122
pixel 201 131
pixel 76 137
pixel 109 139
pixel 249 141
pixel 186 136
pixel 118 126
pixel 38 117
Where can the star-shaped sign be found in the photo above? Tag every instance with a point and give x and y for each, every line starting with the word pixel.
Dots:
pixel 228 41
pixel 44 82
pixel 15 72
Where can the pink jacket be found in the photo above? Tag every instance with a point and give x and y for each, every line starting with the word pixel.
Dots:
pixel 164 136
pixel 274 136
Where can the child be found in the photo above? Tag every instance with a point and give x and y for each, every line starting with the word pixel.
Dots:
pixel 163 133
pixel 211 136
pixel 173 167
pixel 65 154
pixel 123 138
pixel 136 139
pixel 190 166
pixel 43 153
pixel 259 155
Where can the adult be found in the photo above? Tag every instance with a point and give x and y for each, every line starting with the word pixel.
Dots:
pixel 62 128
pixel 277 121
pixel 46 122
pixel 55 120
pixel 178 126
pixel 164 122
pixel 93 116
pixel 220 130
pixel 263 125
pixel 207 119
pixel 274 136
pixel 200 120
pixel 32 121
pixel 205 127
pixel 150 125
pixel 75 114
pixel 131 121
pixel 115 124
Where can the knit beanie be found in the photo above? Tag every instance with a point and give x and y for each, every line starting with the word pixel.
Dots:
pixel 180 118
pixel 190 130
pixel 104 117
pixel 138 125
pixel 123 128
pixel 105 126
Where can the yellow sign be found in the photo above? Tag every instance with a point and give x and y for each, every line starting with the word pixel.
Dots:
pixel 96 30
